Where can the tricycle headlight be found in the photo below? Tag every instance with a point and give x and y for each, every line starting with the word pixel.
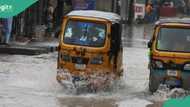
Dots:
pixel 97 60
pixel 158 64
pixel 187 67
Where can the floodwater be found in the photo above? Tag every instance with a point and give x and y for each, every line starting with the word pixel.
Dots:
pixel 29 81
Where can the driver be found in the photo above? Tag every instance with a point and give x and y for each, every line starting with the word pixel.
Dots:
pixel 98 35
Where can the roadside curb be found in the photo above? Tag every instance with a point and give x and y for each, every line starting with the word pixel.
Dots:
pixel 26 50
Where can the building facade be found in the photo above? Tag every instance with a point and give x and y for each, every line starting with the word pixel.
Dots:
pixel 34 19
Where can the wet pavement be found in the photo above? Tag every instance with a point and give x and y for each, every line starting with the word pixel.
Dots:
pixel 137 35
pixel 29 81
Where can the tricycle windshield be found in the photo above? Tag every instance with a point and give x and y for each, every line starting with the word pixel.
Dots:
pixel 85 33
pixel 174 39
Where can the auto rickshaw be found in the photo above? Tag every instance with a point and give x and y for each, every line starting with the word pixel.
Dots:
pixel 90 49
pixel 170 54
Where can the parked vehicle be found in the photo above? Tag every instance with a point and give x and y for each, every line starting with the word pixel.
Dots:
pixel 90 49
pixel 170 54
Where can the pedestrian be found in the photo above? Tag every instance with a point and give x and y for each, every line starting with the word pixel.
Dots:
pixel 50 18
pixel 188 7
pixel 49 21
pixel 157 6
pixel 148 12
pixel 6 30
pixel 183 6
pixel 155 14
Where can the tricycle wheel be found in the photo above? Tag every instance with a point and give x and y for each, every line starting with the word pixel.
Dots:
pixel 153 83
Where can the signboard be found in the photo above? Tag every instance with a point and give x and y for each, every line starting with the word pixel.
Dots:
pixel 138 9
pixel 84 4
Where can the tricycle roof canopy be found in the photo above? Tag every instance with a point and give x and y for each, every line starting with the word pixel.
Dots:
pixel 173 20
pixel 114 18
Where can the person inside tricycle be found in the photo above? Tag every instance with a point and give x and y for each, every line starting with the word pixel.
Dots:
pixel 90 50
pixel 170 54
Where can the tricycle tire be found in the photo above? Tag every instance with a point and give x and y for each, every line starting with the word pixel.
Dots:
pixel 153 83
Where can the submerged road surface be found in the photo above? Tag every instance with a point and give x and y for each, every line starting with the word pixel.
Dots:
pixel 29 81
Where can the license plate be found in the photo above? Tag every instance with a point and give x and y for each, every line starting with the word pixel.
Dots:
pixel 80 66
pixel 173 82
pixel 172 73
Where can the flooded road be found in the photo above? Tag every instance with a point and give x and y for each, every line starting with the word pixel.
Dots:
pixel 29 81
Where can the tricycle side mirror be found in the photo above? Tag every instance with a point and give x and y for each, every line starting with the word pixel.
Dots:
pixel 149 44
